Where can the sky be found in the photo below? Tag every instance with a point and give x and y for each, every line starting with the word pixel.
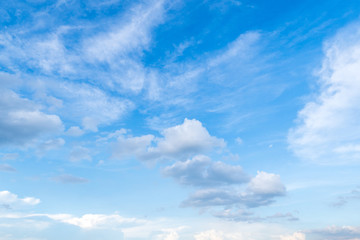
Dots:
pixel 179 120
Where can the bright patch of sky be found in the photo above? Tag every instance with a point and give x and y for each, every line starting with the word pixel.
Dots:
pixel 179 120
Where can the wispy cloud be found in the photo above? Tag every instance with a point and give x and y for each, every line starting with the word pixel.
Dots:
pixel 345 198
pixel 67 178
pixel 6 168
pixel 327 130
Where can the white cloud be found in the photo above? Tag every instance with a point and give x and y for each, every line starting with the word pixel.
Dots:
pixel 99 225
pixel 91 221
pixel 9 198
pixel 50 55
pixel 266 184
pixel 169 234
pixel 187 138
pixel 210 235
pixel 132 35
pixel 178 142
pixel 328 130
pixel 107 53
pixel 294 236
pixel 218 235
pixel 201 171
pixel 21 120
pixel 241 48
pixel 88 105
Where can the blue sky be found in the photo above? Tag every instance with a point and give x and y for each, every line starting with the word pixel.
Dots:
pixel 179 120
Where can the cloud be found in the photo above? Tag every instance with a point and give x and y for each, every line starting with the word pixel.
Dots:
pixel 99 225
pixel 108 52
pixel 345 198
pixel 178 142
pixel 133 34
pixel 6 168
pixel 210 235
pixel 66 178
pixel 218 235
pixel 266 184
pixel 294 236
pixel 10 156
pixel 328 130
pixel 74 131
pixel 51 144
pixel 9 198
pixel 201 171
pixel 187 139
pixel 167 234
pixel 91 221
pixel 243 47
pixel 338 233
pixel 261 191
pixel 286 216
pixel 21 121
pixel 80 153
pixel 236 215
pixel 242 215
pixel 86 104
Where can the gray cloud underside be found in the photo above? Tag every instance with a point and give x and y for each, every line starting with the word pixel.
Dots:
pixel 202 171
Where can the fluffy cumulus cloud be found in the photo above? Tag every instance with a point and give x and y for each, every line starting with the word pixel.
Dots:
pixel 202 171
pixel 22 121
pixel 10 199
pixel 266 184
pixel 178 142
pixel 328 130
pixel 261 190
